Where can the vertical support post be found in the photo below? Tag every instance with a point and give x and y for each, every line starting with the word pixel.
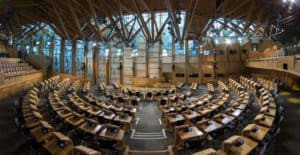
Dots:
pixel 85 60
pixel 31 45
pixel 41 45
pixel 186 62
pixel 51 48
pixel 74 69
pixel 62 56
pixel 147 59
pixel 108 58
pixel 95 63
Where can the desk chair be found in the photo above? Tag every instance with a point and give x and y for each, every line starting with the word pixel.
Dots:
pixel 149 95
pixel 107 144
pixel 134 103
pixel 117 123
pixel 138 94
pixel 194 144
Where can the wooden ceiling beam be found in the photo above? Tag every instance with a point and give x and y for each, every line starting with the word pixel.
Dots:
pixel 75 17
pixel 172 10
pixel 60 20
pixel 94 15
pixel 142 21
pixel 192 6
pixel 158 36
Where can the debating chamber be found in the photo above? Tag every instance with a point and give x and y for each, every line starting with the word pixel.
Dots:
pixel 149 77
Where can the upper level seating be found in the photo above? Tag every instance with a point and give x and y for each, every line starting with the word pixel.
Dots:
pixel 13 68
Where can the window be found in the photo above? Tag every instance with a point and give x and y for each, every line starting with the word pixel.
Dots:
pixel 27 45
pixel 219 52
pixel 254 47
pixel 79 58
pixel 36 43
pixel 46 45
pixel 194 75
pixel 10 41
pixel 193 47
pixel 179 75
pixel 56 54
pixel 233 52
pixel 179 50
pixel 206 52
pixel 206 75
pixel 68 57
pixel 90 61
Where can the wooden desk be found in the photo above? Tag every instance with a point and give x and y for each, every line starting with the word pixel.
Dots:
pixel 106 105
pixel 107 133
pixel 27 112
pixel 124 120
pixel 166 110
pixel 173 119
pixel 75 120
pixel 42 132
pixel 32 121
pixel 90 126
pixel 233 112
pixel 213 107
pixel 209 151
pixel 268 111
pixel 84 106
pixel 108 115
pixel 117 108
pixel 57 106
pixel 257 135
pixel 189 115
pixel 230 148
pixel 182 135
pixel 94 110
pixel 190 105
pixel 242 106
pixel 223 119
pixel 59 144
pixel 208 126
pixel 203 111
pixel 264 120
pixel 64 113
pixel 83 150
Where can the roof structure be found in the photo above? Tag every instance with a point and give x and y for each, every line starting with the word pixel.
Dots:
pixel 84 19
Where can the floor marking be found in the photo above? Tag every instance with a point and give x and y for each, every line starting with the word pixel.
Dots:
pixel 148 138
pixel 138 151
pixel 137 121
pixel 159 120
pixel 164 132
pixel 132 133
pixel 148 135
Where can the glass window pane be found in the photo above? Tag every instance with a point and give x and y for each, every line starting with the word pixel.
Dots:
pixel 68 57
pixel 56 54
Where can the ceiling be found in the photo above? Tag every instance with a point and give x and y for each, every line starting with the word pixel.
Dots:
pixel 71 18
